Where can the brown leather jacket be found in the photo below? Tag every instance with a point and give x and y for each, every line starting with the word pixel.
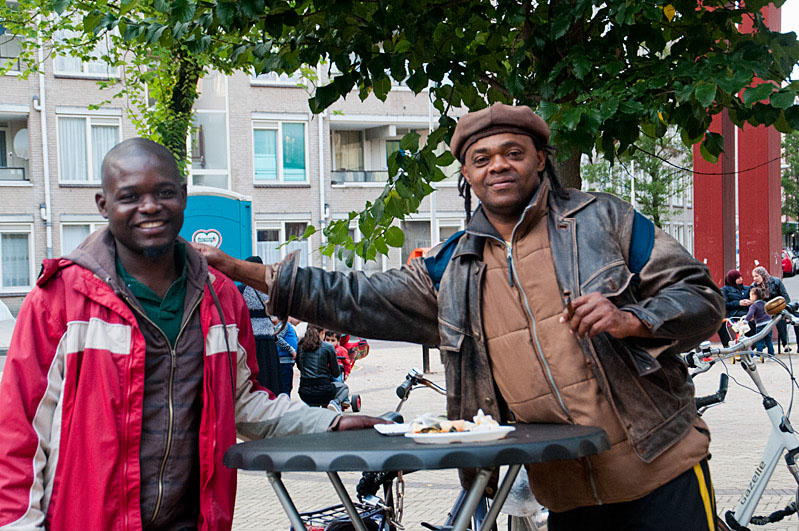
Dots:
pixel 590 236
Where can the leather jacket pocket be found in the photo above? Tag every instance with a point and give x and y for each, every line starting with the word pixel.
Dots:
pixel 451 337
pixel 610 280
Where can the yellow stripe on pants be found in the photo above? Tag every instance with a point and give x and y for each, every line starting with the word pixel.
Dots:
pixel 706 496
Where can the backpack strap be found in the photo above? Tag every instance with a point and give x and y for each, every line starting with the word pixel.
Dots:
pixel 437 263
pixel 641 242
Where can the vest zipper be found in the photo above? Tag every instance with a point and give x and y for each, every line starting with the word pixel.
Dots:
pixel 539 351
pixel 173 365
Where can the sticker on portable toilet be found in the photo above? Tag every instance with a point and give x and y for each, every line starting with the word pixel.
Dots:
pixel 210 237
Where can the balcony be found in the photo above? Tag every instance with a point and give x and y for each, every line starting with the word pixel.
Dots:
pixel 358 176
pixel 12 174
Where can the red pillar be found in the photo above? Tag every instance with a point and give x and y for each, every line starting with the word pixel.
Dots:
pixel 759 198
pixel 714 204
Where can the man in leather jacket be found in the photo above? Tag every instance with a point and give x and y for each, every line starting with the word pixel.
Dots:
pixel 553 306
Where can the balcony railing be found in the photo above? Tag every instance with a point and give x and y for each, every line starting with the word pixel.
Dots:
pixel 359 176
pixel 12 174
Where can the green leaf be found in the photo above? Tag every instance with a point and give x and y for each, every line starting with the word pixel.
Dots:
pixel 154 32
pixel 161 5
pixel 309 231
pixel 581 66
pixel 410 142
pixel 402 46
pixel 705 93
pixel 382 86
pixel 182 10
pixel 366 224
pixel 380 245
pixel 792 117
pixel 226 13
pixel 755 94
pixel 394 236
pixel 252 8
pixel 783 99
pixel 445 159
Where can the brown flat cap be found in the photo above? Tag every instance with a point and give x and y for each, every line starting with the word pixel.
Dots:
pixel 494 120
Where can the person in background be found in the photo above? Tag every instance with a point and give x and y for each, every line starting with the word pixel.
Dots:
pixel 774 288
pixel 319 371
pixel 736 298
pixel 344 362
pixel 265 346
pixel 286 338
pixel 758 318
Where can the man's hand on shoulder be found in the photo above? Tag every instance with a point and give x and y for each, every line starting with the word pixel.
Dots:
pixel 356 422
pixel 594 314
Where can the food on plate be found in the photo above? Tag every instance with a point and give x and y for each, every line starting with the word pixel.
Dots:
pixel 428 423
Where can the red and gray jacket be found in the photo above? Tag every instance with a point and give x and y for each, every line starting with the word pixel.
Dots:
pixel 72 393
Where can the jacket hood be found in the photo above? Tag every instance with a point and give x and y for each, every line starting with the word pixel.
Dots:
pixel 98 253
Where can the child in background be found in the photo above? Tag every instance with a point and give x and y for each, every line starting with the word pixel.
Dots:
pixel 758 318
pixel 344 361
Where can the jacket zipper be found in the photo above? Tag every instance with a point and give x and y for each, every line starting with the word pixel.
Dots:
pixel 173 365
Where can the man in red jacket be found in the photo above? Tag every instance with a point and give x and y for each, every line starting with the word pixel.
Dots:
pixel 118 398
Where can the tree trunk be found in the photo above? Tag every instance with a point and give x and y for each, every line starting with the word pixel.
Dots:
pixel 568 172
pixel 174 130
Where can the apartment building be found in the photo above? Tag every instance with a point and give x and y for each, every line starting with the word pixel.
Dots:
pixel 253 137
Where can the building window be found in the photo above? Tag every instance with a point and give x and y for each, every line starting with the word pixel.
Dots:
pixel 347 150
pixel 272 236
pixel 10 49
pixel 208 138
pixel 283 80
pixel 16 251
pixel 13 161
pixel 72 234
pixel 282 160
pixel 95 67
pixel 83 142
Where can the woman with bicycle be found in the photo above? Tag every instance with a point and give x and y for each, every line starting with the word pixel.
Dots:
pixel 775 288
pixel 736 299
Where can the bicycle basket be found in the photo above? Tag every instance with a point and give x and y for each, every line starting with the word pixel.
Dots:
pixel 335 518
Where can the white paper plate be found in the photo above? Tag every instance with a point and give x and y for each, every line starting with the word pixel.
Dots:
pixel 461 436
pixel 392 429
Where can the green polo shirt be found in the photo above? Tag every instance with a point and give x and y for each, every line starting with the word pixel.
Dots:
pixel 166 313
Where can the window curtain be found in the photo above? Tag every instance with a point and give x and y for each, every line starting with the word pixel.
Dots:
pixel 15 260
pixel 72 149
pixel 72 236
pixel 297 230
pixel 265 154
pixel 293 152
pixel 267 246
pixel 104 137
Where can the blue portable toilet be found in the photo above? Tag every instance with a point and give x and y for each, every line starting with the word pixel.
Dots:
pixel 220 218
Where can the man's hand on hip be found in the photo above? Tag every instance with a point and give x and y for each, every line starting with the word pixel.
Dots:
pixel 594 314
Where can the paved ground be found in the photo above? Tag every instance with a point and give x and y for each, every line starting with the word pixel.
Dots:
pixel 740 429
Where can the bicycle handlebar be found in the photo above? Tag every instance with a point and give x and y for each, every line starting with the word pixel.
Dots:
pixel 717 397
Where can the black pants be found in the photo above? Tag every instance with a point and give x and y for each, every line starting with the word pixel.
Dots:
pixel 268 364
pixel 686 503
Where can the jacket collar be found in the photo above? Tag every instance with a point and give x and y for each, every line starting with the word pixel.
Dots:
pixel 97 253
pixel 479 227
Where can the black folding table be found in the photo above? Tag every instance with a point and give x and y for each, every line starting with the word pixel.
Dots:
pixel 367 450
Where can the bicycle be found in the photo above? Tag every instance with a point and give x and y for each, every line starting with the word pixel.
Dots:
pixel 385 513
pixel 782 440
